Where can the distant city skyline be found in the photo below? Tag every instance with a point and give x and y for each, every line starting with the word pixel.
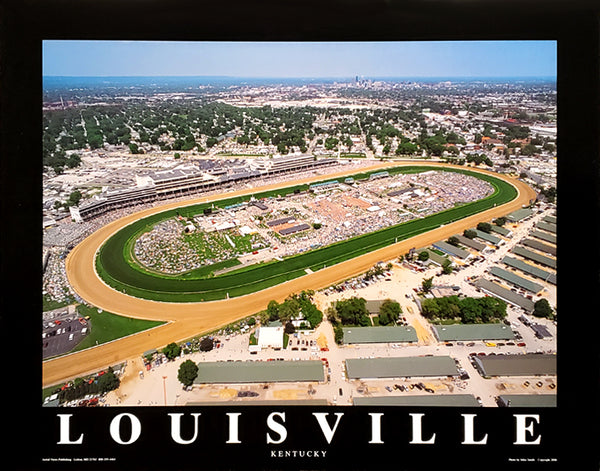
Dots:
pixel 474 59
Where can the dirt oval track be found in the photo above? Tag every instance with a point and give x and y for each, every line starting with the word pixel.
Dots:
pixel 185 320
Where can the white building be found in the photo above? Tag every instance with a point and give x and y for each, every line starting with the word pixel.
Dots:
pixel 270 337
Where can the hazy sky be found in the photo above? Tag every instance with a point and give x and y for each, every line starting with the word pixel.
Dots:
pixel 301 59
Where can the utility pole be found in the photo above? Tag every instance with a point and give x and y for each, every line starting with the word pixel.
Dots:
pixel 165 388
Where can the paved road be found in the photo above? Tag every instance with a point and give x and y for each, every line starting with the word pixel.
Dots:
pixel 189 319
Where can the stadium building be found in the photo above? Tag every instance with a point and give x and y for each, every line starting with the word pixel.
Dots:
pixel 180 182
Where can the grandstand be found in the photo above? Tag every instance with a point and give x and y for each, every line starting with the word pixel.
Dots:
pixel 179 182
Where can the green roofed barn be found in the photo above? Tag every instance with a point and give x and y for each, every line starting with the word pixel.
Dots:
pixel 531 364
pixel 516 280
pixel 468 332
pixel 519 215
pixel 401 367
pixel 379 334
pixel 527 400
pixel 438 400
pixel 259 371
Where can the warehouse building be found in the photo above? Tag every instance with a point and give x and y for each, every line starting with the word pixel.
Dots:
pixel 467 332
pixel 543 236
pixel 530 269
pixel 516 280
pixel 497 241
pixel 537 245
pixel 382 334
pixel 505 294
pixel 534 256
pixel 546 226
pixel 473 244
pixel 452 250
pixel 294 229
pixel 238 372
pixel 401 367
pixel 438 400
pixel 526 400
pixel 531 364
pixel 503 231
pixel 520 215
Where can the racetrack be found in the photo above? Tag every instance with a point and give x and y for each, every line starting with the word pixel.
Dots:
pixel 185 320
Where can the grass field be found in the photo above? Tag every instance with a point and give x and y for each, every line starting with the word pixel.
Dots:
pixel 108 327
pixel 115 268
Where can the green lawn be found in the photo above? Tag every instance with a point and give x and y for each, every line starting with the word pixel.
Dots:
pixel 115 268
pixel 106 327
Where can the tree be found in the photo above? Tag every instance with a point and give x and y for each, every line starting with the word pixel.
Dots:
pixel 289 328
pixel 470 233
pixel 453 240
pixel 542 308
pixel 108 381
pixel 206 344
pixel 424 256
pixel 74 198
pixel 447 267
pixel 273 310
pixel 484 227
pixel 389 312
pixel 172 351
pixel 188 372
pixel 499 221
pixel 427 284
pixel 353 311
pixel 338 332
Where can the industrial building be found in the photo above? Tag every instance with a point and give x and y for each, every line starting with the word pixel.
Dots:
pixel 531 364
pixel 467 332
pixel 437 400
pixel 516 280
pixel 505 294
pixel 401 367
pixel 236 372
pixel 382 334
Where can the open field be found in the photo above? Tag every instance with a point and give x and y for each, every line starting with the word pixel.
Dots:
pixel 185 320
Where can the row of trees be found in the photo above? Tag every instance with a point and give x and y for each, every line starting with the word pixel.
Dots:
pixel 353 312
pixel 465 310
pixel 82 387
